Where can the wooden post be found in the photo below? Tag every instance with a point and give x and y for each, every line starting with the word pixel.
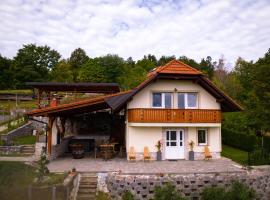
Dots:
pixel 39 97
pixel 50 124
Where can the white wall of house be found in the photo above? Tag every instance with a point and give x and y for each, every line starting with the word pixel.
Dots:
pixel 144 98
pixel 139 137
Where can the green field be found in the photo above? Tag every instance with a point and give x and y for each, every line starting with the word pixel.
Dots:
pixel 29 139
pixel 234 154
pixel 16 92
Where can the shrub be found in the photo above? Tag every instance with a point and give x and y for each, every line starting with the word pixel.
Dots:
pixel 217 193
pixel 237 191
pixel 266 143
pixel 167 192
pixel 127 196
pixel 102 196
pixel 243 141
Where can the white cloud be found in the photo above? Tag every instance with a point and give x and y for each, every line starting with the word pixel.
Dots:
pixel 136 27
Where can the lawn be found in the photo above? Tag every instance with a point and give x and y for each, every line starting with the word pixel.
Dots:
pixel 17 176
pixel 7 105
pixel 234 154
pixel 16 92
pixel 29 139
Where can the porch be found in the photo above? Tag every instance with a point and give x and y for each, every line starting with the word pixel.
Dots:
pixel 89 164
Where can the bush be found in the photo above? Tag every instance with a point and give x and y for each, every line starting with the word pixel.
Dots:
pixel 217 193
pixel 259 156
pixel 127 196
pixel 237 191
pixel 246 142
pixel 102 196
pixel 266 143
pixel 167 192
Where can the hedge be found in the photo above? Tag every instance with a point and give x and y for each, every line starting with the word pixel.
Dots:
pixel 266 143
pixel 242 141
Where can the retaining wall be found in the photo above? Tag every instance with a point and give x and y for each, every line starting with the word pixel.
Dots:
pixel 189 185
pixel 24 130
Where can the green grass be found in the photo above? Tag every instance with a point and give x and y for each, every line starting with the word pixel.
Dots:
pixel 16 91
pixel 234 154
pixel 7 105
pixel 29 139
pixel 15 177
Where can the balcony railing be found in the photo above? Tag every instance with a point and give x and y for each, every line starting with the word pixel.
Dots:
pixel 149 115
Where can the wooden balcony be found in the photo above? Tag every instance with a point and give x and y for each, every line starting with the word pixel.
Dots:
pixel 149 115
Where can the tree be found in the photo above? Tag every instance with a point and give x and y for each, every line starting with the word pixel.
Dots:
pixel 77 58
pixel 146 64
pixel 207 66
pixel 189 62
pixel 62 72
pixel 33 63
pixel 6 75
pixel 165 59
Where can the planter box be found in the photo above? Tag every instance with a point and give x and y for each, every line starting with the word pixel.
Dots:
pixel 191 155
pixel 159 156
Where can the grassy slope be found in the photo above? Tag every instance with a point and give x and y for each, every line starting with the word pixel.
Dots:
pixel 16 92
pixel 236 155
pixel 7 104
pixel 15 177
pixel 29 139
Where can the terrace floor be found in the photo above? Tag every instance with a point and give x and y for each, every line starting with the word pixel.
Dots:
pixel 222 165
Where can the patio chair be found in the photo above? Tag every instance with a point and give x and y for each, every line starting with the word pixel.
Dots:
pixel 207 155
pixel 146 154
pixel 132 154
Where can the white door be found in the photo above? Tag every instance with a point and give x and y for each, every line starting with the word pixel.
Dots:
pixel 174 145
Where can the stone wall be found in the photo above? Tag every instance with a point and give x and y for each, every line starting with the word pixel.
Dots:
pixel 10 149
pixel 38 149
pixel 189 185
pixel 60 149
pixel 24 130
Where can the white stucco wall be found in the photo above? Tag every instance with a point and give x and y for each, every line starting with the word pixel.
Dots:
pixel 54 133
pixel 139 137
pixel 213 139
pixel 144 98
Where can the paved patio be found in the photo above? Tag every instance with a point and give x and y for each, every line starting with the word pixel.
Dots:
pixel 140 167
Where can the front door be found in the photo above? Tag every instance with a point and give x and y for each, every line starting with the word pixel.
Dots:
pixel 174 145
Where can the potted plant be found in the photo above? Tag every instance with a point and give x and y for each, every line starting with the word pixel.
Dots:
pixel 159 155
pixel 191 152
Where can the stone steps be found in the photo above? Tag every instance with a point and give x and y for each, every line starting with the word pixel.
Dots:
pixel 87 187
pixel 28 149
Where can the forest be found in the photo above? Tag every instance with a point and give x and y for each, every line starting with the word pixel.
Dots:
pixel 248 82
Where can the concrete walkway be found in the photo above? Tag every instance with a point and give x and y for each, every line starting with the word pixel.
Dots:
pixel 19 159
pixel 140 167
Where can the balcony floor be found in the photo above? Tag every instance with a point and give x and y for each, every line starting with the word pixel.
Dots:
pixel 88 164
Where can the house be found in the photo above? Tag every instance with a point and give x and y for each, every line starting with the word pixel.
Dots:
pixel 176 104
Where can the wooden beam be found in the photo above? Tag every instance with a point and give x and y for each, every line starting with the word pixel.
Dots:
pixel 49 139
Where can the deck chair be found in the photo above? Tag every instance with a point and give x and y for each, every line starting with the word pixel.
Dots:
pixel 207 155
pixel 146 154
pixel 132 154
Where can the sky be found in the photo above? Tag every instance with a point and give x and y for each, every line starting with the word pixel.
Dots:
pixel 195 28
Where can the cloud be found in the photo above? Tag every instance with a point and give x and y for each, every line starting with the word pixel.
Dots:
pixel 138 27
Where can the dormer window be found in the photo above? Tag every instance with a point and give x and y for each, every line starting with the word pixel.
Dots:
pixel 162 100
pixel 187 100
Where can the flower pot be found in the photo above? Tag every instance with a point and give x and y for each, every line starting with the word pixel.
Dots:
pixel 191 155
pixel 159 156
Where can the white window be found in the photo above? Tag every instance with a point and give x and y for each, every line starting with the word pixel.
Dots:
pixel 202 136
pixel 187 100
pixel 162 100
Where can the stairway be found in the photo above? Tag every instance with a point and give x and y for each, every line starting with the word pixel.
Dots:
pixel 28 149
pixel 87 187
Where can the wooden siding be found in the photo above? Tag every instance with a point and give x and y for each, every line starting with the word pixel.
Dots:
pixel 145 115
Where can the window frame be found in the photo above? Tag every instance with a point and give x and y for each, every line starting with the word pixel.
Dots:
pixel 206 136
pixel 162 100
pixel 186 100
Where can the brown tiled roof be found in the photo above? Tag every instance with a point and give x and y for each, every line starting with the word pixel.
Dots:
pixel 175 67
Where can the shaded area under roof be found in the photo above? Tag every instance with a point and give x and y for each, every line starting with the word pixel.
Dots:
pixel 75 87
